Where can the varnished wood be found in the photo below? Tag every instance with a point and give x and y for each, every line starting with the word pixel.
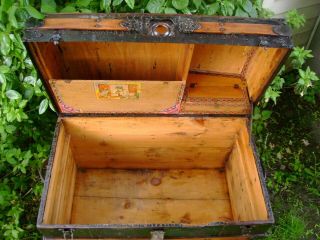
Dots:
pixel 117 60
pixel 235 28
pixel 60 195
pixel 224 59
pixel 151 197
pixel 144 142
pixel 216 94
pixel 261 68
pixel 81 96
pixel 245 190
pixel 83 24
pixel 116 25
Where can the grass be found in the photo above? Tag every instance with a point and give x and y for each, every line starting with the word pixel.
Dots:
pixel 289 148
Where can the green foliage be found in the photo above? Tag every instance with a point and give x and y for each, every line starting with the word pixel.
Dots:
pixel 295 20
pixel 243 8
pixel 25 123
pixel 290 226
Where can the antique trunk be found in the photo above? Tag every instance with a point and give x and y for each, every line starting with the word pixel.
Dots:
pixel 154 127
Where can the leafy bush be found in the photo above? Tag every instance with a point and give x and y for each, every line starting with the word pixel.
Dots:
pixel 25 135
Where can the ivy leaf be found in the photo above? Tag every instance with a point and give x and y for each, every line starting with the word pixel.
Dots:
pixel 130 3
pixel 12 16
pixel 13 94
pixel 48 6
pixel 212 8
pixel 43 106
pixel 83 3
pixel 180 4
pixel 265 114
pixel 4 43
pixel 241 13
pixel 34 12
pixel 155 6
pixel 197 3
pixel 116 2
pixel 105 5
pixel 169 10
pixel 249 8
pixel 2 78
pixel 68 9
pixel 4 69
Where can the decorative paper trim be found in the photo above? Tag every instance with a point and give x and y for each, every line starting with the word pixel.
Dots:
pixel 62 105
pixel 114 90
pixel 177 107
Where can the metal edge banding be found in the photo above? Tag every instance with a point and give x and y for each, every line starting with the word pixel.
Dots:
pixel 230 229
pixel 42 35
pixel 262 180
pixel 48 174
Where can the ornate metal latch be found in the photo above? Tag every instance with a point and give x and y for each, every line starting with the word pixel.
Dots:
pixel 157 235
pixel 67 233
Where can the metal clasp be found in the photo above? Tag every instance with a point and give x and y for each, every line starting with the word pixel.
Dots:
pixel 161 29
pixel 157 235
pixel 67 233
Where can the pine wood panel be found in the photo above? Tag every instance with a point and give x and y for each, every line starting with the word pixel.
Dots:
pixel 236 28
pixel 80 96
pixel 83 24
pixel 147 197
pixel 178 184
pixel 115 25
pixel 220 58
pixel 245 190
pixel 142 142
pixel 119 60
pixel 61 187
pixel 216 94
pixel 261 68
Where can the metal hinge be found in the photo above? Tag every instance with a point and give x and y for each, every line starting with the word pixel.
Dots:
pixel 157 235
pixel 67 233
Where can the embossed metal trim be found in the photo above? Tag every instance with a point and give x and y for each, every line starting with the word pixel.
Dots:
pixel 146 25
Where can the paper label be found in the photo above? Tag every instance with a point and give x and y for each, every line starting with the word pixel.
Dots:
pixel 118 90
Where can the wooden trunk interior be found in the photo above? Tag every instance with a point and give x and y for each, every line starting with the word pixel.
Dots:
pixel 155 77
pixel 153 170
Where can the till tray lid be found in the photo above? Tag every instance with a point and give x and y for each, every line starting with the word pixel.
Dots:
pixel 156 64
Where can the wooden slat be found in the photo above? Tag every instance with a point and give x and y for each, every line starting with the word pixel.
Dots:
pixel 215 87
pixel 118 60
pixel 83 24
pixel 178 184
pixel 151 196
pixel 153 211
pixel 236 28
pixel 61 187
pixel 216 94
pixel 81 96
pixel 245 190
pixel 142 142
pixel 261 67
pixel 115 25
pixel 220 58
pixel 150 157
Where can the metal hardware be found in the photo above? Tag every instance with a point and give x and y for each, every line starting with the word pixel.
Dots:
pixel 67 233
pixel 151 25
pixel 157 235
pixel 56 38
pixel 161 29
